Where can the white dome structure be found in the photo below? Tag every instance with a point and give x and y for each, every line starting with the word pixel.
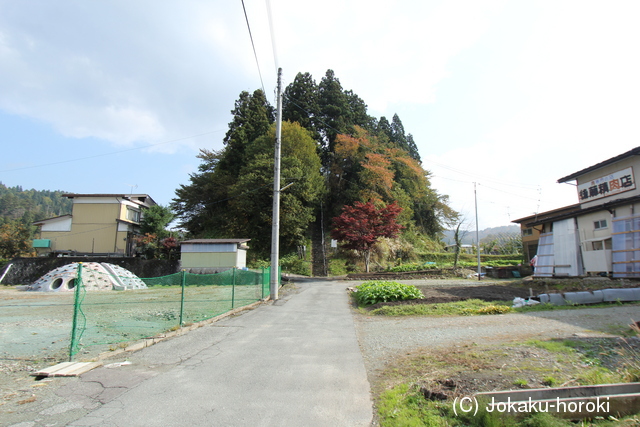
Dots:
pixel 96 276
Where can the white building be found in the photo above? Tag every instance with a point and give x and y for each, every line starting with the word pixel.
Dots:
pixel 603 235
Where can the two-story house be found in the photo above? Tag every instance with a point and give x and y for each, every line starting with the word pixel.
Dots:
pixel 100 224
pixel 602 235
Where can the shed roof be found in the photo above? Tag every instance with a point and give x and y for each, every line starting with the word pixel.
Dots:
pixel 215 241
pixel 573 176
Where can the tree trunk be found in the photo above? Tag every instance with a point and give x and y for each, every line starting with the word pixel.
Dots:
pixel 367 259
pixel 458 243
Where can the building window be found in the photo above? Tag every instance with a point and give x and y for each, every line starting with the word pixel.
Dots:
pixel 527 232
pixel 133 215
pixel 598 225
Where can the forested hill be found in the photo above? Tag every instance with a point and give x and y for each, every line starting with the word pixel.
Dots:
pixel 469 236
pixel 26 206
pixel 333 154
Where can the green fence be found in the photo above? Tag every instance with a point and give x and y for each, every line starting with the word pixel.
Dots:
pixel 108 320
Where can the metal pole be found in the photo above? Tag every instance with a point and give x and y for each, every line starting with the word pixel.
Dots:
pixel 5 272
pixel 275 230
pixel 76 303
pixel 233 290
pixel 475 196
pixel 183 282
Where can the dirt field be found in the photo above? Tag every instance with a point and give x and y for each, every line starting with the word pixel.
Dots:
pixel 448 357
pixel 449 290
pixel 44 319
pixel 35 330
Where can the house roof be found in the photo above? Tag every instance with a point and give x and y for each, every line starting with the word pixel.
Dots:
pixel 50 219
pixel 542 216
pixel 144 198
pixel 216 241
pixel 574 213
pixel 573 176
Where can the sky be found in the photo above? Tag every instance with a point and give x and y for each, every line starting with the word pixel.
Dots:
pixel 503 97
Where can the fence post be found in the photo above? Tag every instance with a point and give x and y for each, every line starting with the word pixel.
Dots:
pixel 262 284
pixel 76 309
pixel 233 289
pixel 184 279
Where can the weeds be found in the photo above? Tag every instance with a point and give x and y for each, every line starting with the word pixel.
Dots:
pixel 520 383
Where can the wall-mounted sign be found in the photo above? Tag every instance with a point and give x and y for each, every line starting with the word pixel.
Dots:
pixel 609 185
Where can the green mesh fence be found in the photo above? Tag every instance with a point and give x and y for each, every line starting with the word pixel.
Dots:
pixel 105 321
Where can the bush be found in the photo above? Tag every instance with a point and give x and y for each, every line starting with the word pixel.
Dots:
pixel 293 264
pixel 376 291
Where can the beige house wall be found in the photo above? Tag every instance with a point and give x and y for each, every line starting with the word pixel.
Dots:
pixel 99 238
pixel 586 226
pixel 95 227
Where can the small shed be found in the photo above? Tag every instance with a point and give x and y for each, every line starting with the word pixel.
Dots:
pixel 208 256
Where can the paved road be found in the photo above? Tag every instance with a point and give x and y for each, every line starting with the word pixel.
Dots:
pixel 295 362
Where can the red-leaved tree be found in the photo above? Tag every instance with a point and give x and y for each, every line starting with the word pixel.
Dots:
pixel 360 226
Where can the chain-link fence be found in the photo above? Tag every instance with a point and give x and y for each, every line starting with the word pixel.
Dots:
pixel 105 321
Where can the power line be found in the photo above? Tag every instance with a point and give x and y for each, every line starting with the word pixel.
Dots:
pixel 273 37
pixel 255 54
pixel 528 187
pixel 109 154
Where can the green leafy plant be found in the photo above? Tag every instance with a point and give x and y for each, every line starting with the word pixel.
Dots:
pixel 376 291
pixel 520 383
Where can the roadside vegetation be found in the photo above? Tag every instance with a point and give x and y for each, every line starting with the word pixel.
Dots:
pixel 420 389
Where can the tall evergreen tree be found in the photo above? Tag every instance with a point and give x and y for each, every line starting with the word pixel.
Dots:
pixel 252 116
pixel 384 130
pixel 358 112
pixel 300 103
pixel 397 133
pixel 413 148
pixel 334 110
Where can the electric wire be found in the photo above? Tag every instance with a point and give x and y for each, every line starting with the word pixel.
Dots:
pixel 255 54
pixel 77 159
pixel 273 37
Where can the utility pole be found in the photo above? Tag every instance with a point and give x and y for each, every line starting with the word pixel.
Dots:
pixel 475 196
pixel 275 227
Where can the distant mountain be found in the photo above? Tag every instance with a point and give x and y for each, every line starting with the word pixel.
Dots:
pixel 469 236
pixel 27 206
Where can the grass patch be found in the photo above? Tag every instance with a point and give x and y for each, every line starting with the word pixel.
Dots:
pixel 458 308
pixel 469 308
pixel 563 346
pixel 405 390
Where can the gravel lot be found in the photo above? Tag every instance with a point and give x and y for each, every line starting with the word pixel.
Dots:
pixel 382 339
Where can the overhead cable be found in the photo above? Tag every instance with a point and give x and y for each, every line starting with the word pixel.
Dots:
pixel 255 54
pixel 111 153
